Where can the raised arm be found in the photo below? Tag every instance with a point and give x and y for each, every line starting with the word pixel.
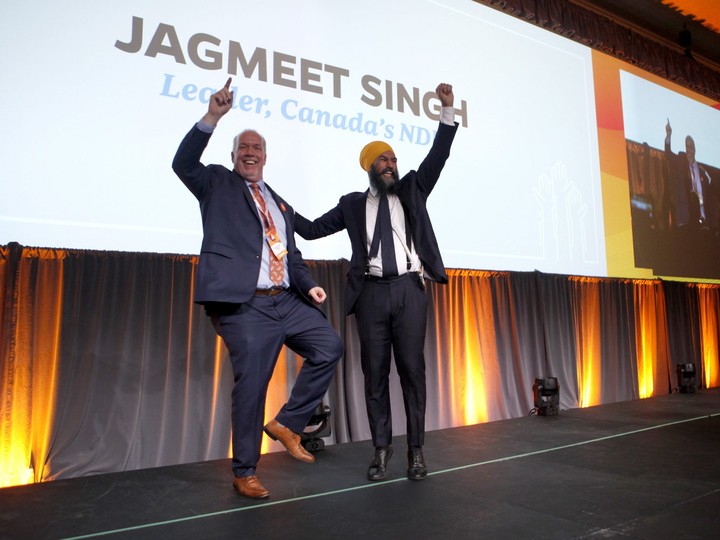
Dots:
pixel 431 167
pixel 668 136
pixel 186 162
pixel 220 103
pixel 445 94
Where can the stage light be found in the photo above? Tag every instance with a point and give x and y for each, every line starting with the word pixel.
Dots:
pixel 317 427
pixel 686 378
pixel 546 392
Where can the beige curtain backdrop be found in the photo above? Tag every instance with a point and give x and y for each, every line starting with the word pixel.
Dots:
pixel 107 365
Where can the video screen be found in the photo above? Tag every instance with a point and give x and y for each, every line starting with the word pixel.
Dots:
pixel 673 149
pixel 98 99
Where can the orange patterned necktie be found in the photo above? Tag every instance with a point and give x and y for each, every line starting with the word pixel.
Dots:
pixel 277 268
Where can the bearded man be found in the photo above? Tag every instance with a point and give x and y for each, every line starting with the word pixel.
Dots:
pixel 393 251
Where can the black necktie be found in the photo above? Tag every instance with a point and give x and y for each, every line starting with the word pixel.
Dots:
pixel 383 233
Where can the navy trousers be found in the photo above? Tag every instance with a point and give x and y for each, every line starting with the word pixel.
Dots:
pixel 254 333
pixel 391 314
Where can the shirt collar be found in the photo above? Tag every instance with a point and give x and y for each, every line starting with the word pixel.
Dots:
pixel 260 183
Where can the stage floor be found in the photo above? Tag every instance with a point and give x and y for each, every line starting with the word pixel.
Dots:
pixel 644 469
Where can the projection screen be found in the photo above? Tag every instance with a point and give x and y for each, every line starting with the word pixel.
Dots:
pixel 97 101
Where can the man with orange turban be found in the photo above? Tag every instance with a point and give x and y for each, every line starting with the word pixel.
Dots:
pixel 393 250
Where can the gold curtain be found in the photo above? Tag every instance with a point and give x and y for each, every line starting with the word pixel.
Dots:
pixel 467 323
pixel 107 365
pixel 587 329
pixel 651 338
pixel 709 304
pixel 31 328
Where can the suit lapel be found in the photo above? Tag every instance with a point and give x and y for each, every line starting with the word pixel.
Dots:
pixel 281 205
pixel 358 209
pixel 289 227
pixel 249 198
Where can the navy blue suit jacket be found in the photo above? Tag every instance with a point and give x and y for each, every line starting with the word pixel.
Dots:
pixel 413 190
pixel 233 234
pixel 685 203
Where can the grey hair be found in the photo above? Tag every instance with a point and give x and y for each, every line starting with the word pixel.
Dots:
pixel 236 140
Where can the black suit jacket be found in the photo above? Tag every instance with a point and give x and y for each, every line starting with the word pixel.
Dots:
pixel 233 233
pixel 413 190
pixel 685 204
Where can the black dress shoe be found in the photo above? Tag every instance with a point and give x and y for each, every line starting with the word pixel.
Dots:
pixel 417 470
pixel 378 466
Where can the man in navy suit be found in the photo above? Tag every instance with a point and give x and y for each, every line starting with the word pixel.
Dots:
pixel 256 288
pixel 693 201
pixel 393 250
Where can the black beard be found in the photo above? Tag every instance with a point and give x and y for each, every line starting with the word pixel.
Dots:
pixel 378 183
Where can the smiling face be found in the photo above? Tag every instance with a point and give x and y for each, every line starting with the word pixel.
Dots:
pixel 249 156
pixel 690 149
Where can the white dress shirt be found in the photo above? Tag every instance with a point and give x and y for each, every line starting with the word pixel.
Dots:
pixel 403 253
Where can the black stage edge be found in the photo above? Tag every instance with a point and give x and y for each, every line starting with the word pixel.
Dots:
pixel 643 469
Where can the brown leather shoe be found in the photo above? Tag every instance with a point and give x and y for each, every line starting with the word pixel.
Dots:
pixel 289 439
pixel 249 486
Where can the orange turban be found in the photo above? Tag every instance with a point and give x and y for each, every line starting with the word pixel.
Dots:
pixel 370 153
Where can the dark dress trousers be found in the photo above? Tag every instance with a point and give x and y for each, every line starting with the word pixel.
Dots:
pixel 391 313
pixel 253 327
